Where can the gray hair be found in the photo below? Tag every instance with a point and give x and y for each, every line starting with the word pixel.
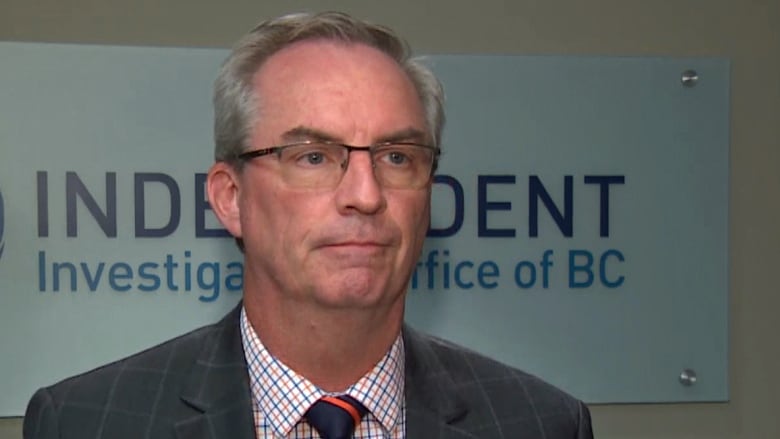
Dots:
pixel 235 102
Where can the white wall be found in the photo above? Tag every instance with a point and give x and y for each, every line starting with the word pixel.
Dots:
pixel 746 31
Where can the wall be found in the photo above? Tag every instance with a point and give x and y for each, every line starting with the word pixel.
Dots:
pixel 746 31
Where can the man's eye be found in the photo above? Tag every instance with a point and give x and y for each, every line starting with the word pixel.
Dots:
pixel 313 158
pixel 395 157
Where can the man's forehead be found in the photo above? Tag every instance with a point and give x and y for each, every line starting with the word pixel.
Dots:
pixel 306 55
pixel 342 88
pixel 301 133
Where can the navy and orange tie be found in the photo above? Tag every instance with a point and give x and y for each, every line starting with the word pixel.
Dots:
pixel 335 417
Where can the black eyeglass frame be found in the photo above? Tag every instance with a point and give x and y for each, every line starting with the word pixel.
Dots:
pixel 249 155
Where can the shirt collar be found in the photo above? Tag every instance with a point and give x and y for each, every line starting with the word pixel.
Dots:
pixel 283 396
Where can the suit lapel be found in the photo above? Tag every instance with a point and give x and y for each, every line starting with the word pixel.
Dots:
pixel 218 387
pixel 433 405
pixel 217 390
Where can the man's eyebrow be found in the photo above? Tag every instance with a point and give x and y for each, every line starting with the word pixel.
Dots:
pixel 301 133
pixel 404 135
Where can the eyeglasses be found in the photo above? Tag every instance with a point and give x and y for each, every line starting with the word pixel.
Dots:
pixel 321 164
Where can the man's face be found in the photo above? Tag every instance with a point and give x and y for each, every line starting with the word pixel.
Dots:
pixel 355 245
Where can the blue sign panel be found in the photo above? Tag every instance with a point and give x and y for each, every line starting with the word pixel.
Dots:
pixel 579 225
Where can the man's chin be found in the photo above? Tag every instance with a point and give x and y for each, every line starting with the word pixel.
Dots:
pixel 356 288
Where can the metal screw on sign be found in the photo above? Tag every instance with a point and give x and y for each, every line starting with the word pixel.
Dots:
pixel 688 377
pixel 689 78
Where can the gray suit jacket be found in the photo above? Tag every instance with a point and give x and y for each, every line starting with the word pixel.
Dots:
pixel 196 386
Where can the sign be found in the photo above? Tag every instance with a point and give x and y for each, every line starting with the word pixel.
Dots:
pixel 579 226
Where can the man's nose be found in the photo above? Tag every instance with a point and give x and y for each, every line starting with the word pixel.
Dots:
pixel 359 189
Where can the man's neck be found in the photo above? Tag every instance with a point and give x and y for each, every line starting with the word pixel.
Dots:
pixel 332 348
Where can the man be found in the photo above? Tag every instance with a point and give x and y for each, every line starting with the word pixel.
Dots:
pixel 327 137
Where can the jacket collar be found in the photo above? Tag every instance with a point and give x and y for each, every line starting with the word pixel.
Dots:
pixel 434 406
pixel 217 388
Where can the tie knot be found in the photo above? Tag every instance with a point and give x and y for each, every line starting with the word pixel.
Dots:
pixel 335 417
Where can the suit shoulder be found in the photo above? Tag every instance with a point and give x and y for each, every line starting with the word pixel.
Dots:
pixel 474 372
pixel 144 394
pixel 140 374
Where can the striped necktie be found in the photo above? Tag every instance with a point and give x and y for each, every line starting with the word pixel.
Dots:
pixel 335 417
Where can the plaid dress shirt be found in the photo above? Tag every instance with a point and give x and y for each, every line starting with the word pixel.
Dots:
pixel 281 397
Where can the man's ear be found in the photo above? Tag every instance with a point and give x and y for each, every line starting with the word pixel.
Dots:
pixel 222 187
